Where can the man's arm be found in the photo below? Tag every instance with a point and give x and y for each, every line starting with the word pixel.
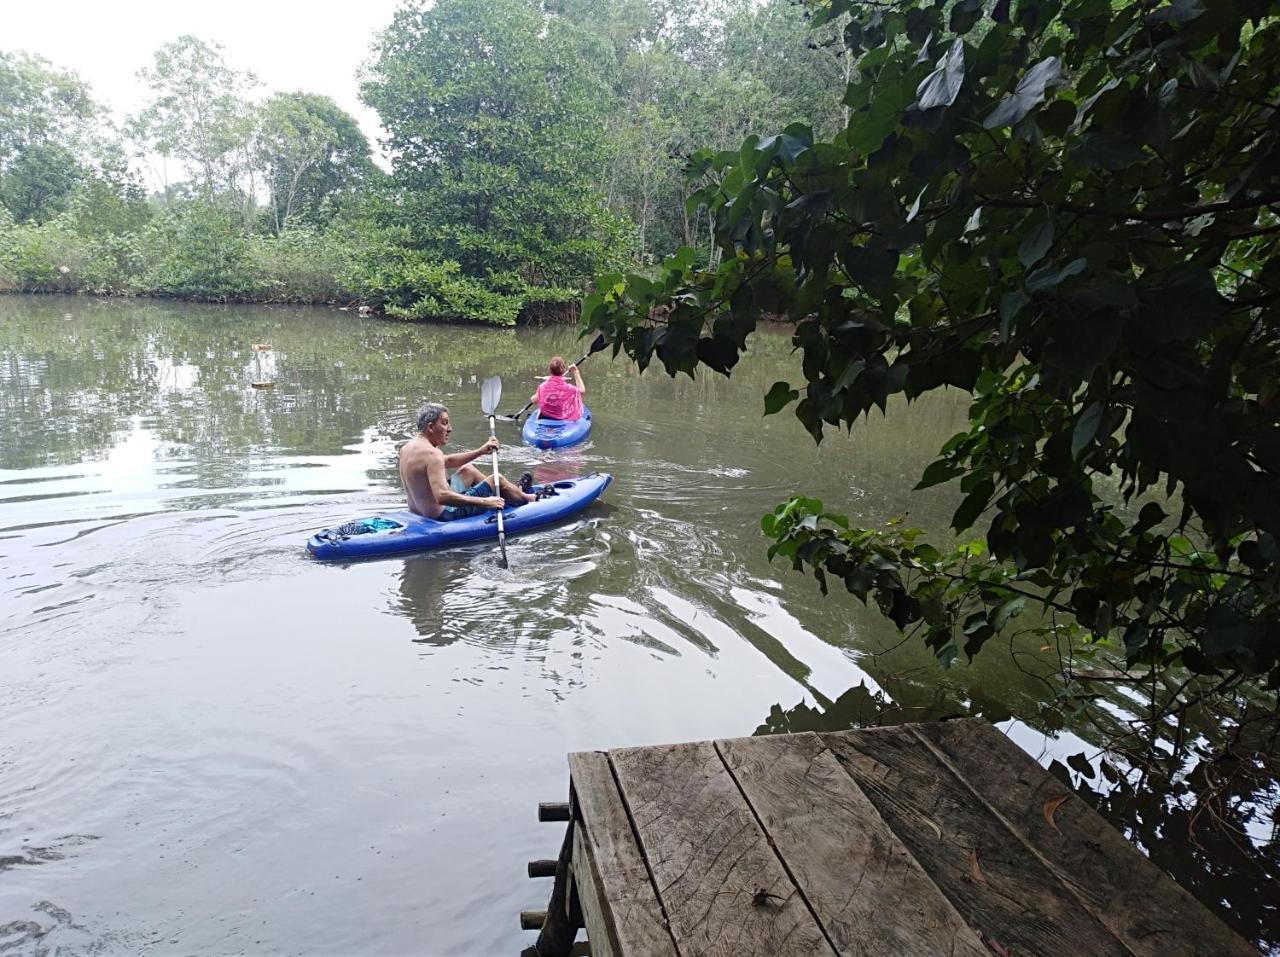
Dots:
pixel 438 479
pixel 444 495
pixel 459 459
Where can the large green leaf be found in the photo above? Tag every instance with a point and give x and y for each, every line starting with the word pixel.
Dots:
pixel 1027 95
pixel 942 86
pixel 780 396
pixel 1086 428
pixel 1179 11
pixel 1037 241
pixel 1046 277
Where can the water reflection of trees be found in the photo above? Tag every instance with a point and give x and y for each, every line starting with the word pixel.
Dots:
pixel 1209 825
pixel 70 386
pixel 422 583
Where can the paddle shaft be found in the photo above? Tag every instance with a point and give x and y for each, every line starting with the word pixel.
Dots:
pixel 529 406
pixel 497 490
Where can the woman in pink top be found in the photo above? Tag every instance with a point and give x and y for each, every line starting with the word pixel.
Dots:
pixel 556 397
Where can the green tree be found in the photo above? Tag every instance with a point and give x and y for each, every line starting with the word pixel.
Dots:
pixel 1067 210
pixel 38 179
pixel 681 78
pixel 199 113
pixel 312 154
pixel 801 73
pixel 200 251
pixel 495 130
pixel 47 123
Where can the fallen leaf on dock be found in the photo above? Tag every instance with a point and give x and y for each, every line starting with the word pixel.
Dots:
pixel 974 870
pixel 1050 807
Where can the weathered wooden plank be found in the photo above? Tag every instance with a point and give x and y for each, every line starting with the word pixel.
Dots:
pixel 869 893
pixel 595 908
pixel 1129 894
pixel 722 886
pixel 633 916
pixel 1010 898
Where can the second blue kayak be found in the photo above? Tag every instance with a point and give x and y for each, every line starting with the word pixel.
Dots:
pixel 402 531
pixel 556 433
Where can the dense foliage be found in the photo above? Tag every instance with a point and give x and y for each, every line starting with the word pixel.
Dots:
pixel 314 157
pixel 532 144
pixel 79 220
pixel 494 131
pixel 1067 210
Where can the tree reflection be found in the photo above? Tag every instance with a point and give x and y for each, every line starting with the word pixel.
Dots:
pixel 74 373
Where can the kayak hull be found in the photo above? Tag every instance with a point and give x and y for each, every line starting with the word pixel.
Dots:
pixel 555 433
pixel 392 533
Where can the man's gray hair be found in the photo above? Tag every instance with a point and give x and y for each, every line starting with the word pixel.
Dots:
pixel 429 413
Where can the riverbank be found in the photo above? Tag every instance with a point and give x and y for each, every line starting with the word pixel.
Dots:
pixel 198 257
pixel 531 314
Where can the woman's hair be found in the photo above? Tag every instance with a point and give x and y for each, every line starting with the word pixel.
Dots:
pixel 557 365
pixel 429 413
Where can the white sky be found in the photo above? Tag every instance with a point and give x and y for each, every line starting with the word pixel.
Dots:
pixel 289 44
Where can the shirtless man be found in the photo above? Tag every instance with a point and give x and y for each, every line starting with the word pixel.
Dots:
pixel 430 491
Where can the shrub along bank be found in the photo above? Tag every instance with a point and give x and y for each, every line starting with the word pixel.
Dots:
pixel 202 253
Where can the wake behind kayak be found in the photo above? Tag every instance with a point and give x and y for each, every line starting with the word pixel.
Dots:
pixel 391 533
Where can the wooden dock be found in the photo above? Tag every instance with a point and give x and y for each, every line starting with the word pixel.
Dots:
pixel 888 842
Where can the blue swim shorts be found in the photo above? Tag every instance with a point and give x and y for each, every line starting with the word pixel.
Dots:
pixel 479 490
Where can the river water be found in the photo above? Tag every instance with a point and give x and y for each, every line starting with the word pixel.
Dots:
pixel 212 744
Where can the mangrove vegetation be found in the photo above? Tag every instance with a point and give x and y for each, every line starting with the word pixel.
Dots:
pixel 530 146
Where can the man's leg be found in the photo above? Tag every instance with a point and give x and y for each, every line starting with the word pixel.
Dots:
pixel 470 475
pixel 509 490
pixel 513 493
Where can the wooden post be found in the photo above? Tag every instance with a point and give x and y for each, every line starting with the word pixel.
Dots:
pixel 560 927
pixel 553 811
pixel 542 868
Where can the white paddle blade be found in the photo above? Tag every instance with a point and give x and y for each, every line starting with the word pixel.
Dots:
pixel 491 394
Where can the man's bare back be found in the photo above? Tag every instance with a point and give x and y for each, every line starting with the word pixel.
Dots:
pixel 418 459
pixel 424 471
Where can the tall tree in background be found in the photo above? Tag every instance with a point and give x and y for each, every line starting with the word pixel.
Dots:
pixel 495 129
pixel 199 114
pixel 804 69
pixel 47 124
pixel 688 77
pixel 312 154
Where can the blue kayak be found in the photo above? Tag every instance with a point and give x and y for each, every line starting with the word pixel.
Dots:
pixel 403 531
pixel 556 433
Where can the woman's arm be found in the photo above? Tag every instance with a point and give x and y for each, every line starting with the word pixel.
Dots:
pixel 577 380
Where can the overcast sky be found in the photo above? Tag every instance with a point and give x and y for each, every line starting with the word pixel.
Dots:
pixel 288 44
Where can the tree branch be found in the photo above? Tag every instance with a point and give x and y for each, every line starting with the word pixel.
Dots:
pixel 1141 215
